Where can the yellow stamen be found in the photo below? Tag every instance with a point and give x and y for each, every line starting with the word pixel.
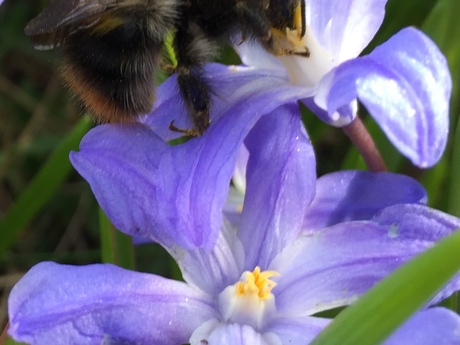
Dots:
pixel 258 283
pixel 250 301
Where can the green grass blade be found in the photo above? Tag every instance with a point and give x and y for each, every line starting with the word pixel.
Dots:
pixel 116 247
pixel 51 175
pixel 443 26
pixel 454 183
pixel 9 341
pixel 388 304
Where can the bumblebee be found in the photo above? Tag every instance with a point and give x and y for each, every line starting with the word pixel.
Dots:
pixel 112 48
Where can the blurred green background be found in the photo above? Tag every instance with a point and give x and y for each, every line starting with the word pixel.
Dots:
pixel 47 211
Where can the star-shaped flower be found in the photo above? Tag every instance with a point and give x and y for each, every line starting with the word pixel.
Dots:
pixel 267 275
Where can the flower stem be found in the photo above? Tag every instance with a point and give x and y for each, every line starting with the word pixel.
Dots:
pixel 360 137
pixel 4 333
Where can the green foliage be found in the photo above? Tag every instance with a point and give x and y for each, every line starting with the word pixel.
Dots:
pixel 116 247
pixel 49 178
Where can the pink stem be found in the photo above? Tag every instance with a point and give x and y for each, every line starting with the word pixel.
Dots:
pixel 360 137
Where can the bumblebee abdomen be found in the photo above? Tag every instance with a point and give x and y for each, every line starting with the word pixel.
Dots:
pixel 112 47
pixel 112 69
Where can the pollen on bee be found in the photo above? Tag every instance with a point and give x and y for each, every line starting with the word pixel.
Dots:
pixel 297 42
pixel 299 22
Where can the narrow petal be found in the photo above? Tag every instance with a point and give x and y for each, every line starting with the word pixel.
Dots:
pixel 176 194
pixel 278 141
pixel 202 168
pixel 281 175
pixel 428 327
pixel 358 255
pixel 344 27
pixel 253 54
pixel 212 271
pixel 60 304
pixel 358 195
pixel 300 330
pixel 230 85
pixel 405 85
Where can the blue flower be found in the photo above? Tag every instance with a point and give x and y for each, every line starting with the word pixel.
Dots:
pixel 175 195
pixel 258 276
pixel 262 281
pixel 405 83
pixel 122 164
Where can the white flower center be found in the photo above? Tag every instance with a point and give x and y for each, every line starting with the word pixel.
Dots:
pixel 308 71
pixel 249 301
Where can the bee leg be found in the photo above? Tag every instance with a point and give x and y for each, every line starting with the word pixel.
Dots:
pixel 191 133
pixel 306 53
pixel 192 52
pixel 195 91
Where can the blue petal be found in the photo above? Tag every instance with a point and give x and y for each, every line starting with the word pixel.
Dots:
pixel 59 304
pixel 358 255
pixel 229 334
pixel 358 195
pixel 281 176
pixel 344 27
pixel 212 270
pixel 176 194
pixel 230 85
pixel 204 165
pixel 419 223
pixel 300 330
pixel 429 327
pixel 405 84
pixel 120 164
